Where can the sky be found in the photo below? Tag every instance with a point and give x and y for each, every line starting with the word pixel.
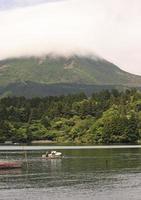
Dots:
pixel 8 4
pixel 110 29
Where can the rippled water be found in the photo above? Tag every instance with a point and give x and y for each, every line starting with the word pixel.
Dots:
pixel 99 174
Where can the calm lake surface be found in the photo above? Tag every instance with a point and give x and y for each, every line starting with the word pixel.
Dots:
pixel 83 174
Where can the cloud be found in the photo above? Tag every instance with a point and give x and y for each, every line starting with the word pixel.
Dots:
pixel 59 27
pixel 108 28
pixel 8 4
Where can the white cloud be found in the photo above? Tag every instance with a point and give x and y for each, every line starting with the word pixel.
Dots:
pixel 7 4
pixel 109 28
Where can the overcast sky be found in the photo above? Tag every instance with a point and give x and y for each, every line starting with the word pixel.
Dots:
pixel 108 28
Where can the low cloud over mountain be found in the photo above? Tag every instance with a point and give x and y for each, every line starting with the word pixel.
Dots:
pixel 108 28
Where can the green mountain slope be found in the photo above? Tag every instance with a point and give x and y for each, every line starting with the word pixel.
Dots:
pixel 32 89
pixel 51 70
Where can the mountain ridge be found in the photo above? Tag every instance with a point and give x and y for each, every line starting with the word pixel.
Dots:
pixel 76 70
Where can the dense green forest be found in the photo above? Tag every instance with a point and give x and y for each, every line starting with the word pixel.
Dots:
pixel 104 118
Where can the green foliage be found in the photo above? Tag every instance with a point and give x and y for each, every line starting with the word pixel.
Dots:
pixel 113 127
pixel 105 118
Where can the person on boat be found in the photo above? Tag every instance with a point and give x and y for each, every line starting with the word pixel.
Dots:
pixel 47 153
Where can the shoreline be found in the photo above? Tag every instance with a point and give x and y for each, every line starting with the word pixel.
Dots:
pixel 57 147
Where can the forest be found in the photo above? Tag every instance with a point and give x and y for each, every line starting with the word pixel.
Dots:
pixel 107 117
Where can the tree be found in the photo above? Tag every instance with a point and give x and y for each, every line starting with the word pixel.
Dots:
pixel 114 127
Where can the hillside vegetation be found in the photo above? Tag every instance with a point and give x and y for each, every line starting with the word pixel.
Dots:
pixel 104 118
pixel 50 75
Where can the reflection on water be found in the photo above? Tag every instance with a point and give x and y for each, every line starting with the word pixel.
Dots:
pixel 100 174
pixel 10 171
pixel 53 164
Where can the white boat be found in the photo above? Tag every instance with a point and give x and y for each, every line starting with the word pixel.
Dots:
pixel 52 155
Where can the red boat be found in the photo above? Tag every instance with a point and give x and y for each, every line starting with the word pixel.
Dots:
pixel 10 164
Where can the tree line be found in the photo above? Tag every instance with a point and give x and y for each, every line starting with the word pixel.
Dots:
pixel 106 117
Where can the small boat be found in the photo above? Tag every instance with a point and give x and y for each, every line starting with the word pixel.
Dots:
pixel 10 164
pixel 52 155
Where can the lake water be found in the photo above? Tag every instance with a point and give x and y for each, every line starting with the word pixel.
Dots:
pixel 83 174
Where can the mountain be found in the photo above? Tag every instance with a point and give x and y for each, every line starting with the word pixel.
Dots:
pixel 38 76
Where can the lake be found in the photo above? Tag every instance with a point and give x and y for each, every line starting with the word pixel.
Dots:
pixel 83 174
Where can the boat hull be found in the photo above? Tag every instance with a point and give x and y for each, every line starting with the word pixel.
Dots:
pixel 10 165
pixel 53 155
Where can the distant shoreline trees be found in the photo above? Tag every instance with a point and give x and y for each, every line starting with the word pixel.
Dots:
pixel 107 117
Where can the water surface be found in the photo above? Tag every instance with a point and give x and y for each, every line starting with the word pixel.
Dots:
pixel 99 174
